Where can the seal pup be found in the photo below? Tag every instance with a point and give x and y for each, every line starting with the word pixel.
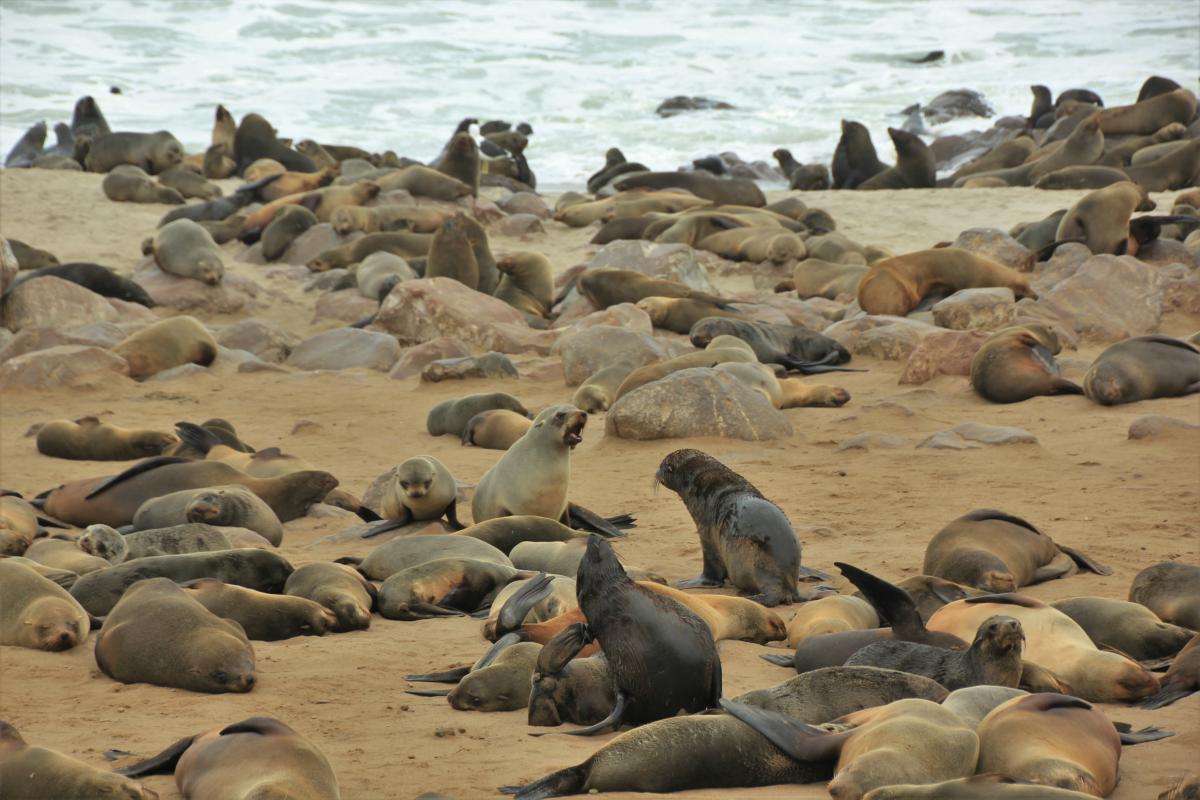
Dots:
pixel 226 506
pixel 994 657
pixel 608 286
pixel 1000 552
pixel 421 489
pixel 451 416
pixel 745 538
pixel 1017 363
pixel 531 477
pixel 496 429
pixel 36 612
pixel 636 628
pixel 794 348
pixel 679 314
pixel 103 541
pixel 186 249
pixel 157 634
pixel 1126 627
pixel 444 587
pixel 29 771
pixel 256 758
pixel 1143 368
pixel 599 391
pixel 89 439
pixel 191 537
pixel 498 681
pixel 339 588
pixel 1171 590
pixel 567 688
pixel 1181 680
pixel 263 617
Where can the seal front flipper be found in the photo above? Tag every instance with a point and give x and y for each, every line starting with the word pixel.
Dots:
pixel 611 722
pixel 797 740
pixel 582 519
pixel 383 527
pixel 1084 561
pixel 428 692
pixel 517 607
pixel 559 651
pixel 451 514
pixel 780 660
pixel 163 762
pixel 1150 734
pixel 449 676
pixel 196 436
pixel 137 469
pixel 557 784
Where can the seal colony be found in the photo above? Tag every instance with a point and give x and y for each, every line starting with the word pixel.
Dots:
pixel 350 545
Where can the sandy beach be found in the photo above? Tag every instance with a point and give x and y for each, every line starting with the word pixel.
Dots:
pixel 1127 503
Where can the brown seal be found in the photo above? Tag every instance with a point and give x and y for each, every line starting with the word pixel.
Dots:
pixel 1017 363
pixel 1127 627
pixel 263 617
pixel 260 169
pixel 496 429
pixel 89 439
pixel 257 757
pixel 421 489
pixel 705 358
pixel 915 167
pixel 186 249
pixel 794 348
pixel 444 587
pixel 1000 552
pixel 813 277
pixel 1100 219
pixel 451 416
pixel 726 191
pixel 284 184
pixel 191 537
pixel 323 202
pixel 499 681
pixel 1054 639
pixel 422 181
pixel 168 343
pixel 227 506
pixel 527 283
pixel 153 152
pixel 30 257
pixel 36 612
pixel 854 158
pixel 400 243
pixel 376 219
pixel 755 244
pixel 337 587
pixel 1143 368
pixel 606 286
pixel 408 551
pixel 1170 590
pixel 1181 680
pixel 1081 177
pixel 287 225
pixel 679 314
pixel 128 184
pixel 1173 170
pixel 831 614
pixel 599 391
pixel 896 286
pixel 189 183
pixel 29 771
pixel 1003 156
pixel 158 634
pixel 505 533
pixel 18 524
pixel 1148 115
pixel 451 254
pixel 64 554
pixel 255 139
pixel 460 160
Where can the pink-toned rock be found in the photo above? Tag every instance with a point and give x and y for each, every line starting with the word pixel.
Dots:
pixel 1067 259
pixel 421 310
pixel 1157 426
pixel 414 359
pixel 622 315
pixel 1109 298
pixel 998 246
pixel 527 203
pixel 482 209
pixel 66 365
pixel 131 312
pixel 1162 252
pixel 346 305
pixel 314 241
pixel 345 348
pixel 942 353
pixel 264 339
pixel 586 351
pixel 29 340
pixel 969 309
pixel 888 338
pixel 674 262
pixel 519 225
pixel 235 293
pixel 1181 289
pixel 798 312
pixel 50 302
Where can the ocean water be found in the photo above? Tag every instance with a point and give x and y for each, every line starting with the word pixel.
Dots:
pixel 586 74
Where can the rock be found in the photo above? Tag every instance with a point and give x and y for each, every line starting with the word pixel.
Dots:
pixel 1109 298
pixel 414 359
pixel 9 266
pixel 345 348
pixel 264 339
pixel 131 312
pixel 681 103
pixel 797 311
pixel 232 360
pixel 888 338
pixel 762 313
pixel 970 432
pixel 1161 252
pixel 675 262
pixel 998 246
pixel 100 334
pixel 314 241
pixel 482 209
pixel 1181 289
pixel 519 225
pixel 872 440
pixel 947 440
pixel 488 365
pixel 696 402
pixel 235 293
pixel 344 305
pixel 65 365
pixel 1065 262
pixel 182 371
pixel 324 281
pixel 943 353
pixel 585 352
pixel 957 103
pixel 50 302
pixel 258 365
pixel 969 309
pixel 622 315
pixel 1156 426
pixel 421 310
pixel 527 203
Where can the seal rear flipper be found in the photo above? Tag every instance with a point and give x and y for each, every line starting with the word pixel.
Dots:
pixel 894 605
pixel 1064 386
pixel 557 784
pixel 263 726
pixel 1037 679
pixel 810 574
pixel 40 500
pixel 779 660
pixel 797 740
pixel 366 514
pixel 1149 734
pixel 817 369
pixel 163 762
pixel 582 519
pixel 1007 598
pixel 195 436
pixel 517 607
pixel 137 469
pixel 47 521
pixel 449 676
pixel 611 722
pixel 699 583
pixel 1165 697
pixel 417 611
pixel 252 187
pixel 1084 561
pixel 383 527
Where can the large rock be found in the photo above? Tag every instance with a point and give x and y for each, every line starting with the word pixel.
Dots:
pixel 66 365
pixel 696 402
pixel 264 339
pixel 942 353
pixel 415 359
pixel 1157 426
pixel 9 266
pixel 345 348
pixel 676 262
pixel 622 315
pixel 314 241
pixel 968 309
pixel 797 311
pixel 527 203
pixel 998 246
pixel 1181 289
pixel 887 338
pixel 50 302
pixel 100 334
pixel 344 305
pixel 421 310
pixel 585 352
pixel 1161 252
pixel 1109 298
pixel 488 365
pixel 957 103
pixel 970 434
pixel 1065 262
pixel 519 225
pixel 235 293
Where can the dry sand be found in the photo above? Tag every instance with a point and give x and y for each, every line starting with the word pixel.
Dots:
pixel 1127 503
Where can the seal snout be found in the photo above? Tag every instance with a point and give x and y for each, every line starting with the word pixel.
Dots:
pixel 573 429
pixel 1005 632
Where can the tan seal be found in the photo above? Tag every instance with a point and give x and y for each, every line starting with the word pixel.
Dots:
pixel 451 416
pixel 29 771
pixel 460 159
pixel 813 277
pixel 1100 219
pixel 89 439
pixel 1126 627
pixel 284 229
pixel 1017 363
pixel 496 429
pixel 679 314
pixel 18 524
pixel 422 488
pixel 263 617
pixel 129 184
pixel 526 283
pixel 444 587
pixel 1149 115
pixel 168 343
pixel 829 615
pixel 599 391
pixel 337 587
pixel 36 612
pixel 64 554
pixel 186 249
pixel 1170 590
pixel 895 286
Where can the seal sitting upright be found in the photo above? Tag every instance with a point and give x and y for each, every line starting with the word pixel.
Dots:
pixel 746 539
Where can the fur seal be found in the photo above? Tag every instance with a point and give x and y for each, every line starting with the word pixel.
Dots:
pixel 158 634
pixel 1081 177
pixel 189 184
pixel 87 119
pixel 527 283
pixel 794 348
pixel 994 657
pixel 36 612
pixel 259 757
pixel 1100 219
pixel 1143 368
pixel 38 773
pixel 255 139
pixel 1000 552
pixel 973 703
pixel 400 243
pixel 103 541
pixel 422 181
pixel 559 599
pixel 283 229
pixel 745 538
pixel 94 277
pixel 495 429
pixel 531 477
pixel 723 191
pixel 1052 638
pixel 129 184
pixel 615 164
pixel 18 525
pixel 1126 627
pixel 679 314
pixel 831 614
pixel 915 167
pixel 407 551
pixel 227 506
pixel 167 343
pixel 976 787
pixel 460 160
pixel 337 587
pixel 30 257
pixel 89 439
pixel 444 587
pixel 566 688
pixel 1169 589
pixel 274 185
pixel 1017 363
pixel 153 152
pixel 814 277
pixel 186 249
pixel 756 244
pixel 1175 169
pixel 1150 114
pixel 1181 680
pixel 263 617
pixel 452 416
pixel 323 202
pixel 451 254
pixel 64 554
pixel 506 533
pixel 1003 156
pixel 608 286
pixel 854 158
pixel 704 358
pixel 28 147
pixel 421 489
pixel 499 681
pixel 192 537
pixel 895 286
pixel 599 391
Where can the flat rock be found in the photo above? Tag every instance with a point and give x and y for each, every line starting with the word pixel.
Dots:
pixel 967 309
pixel 519 225
pixel 314 241
pixel 235 293
pixel 872 440
pixel 1157 426
pixel 1065 262
pixel 182 371
pixel 883 337
pixel 527 203
pixel 414 359
pixel 50 302
pixel 585 352
pixel 622 315
pixel 947 440
pixel 264 339
pixel 31 339
pixel 675 262
pixel 696 402
pixel 998 246
pixel 65 365
pixel 488 365
pixel 972 432
pixel 942 353
pixel 1109 298
pixel 345 348
pixel 798 312
pixel 344 305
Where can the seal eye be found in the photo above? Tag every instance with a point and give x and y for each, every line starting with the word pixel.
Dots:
pixel 220 676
